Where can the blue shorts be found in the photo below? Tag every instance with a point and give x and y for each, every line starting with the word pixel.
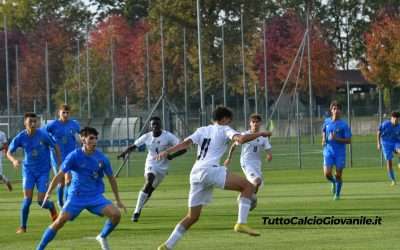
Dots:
pixel 331 160
pixel 75 204
pixel 40 180
pixel 388 149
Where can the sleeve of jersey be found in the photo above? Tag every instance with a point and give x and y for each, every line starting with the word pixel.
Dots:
pixel 267 145
pixel 347 132
pixel 141 140
pixel 14 144
pixel 230 132
pixel 68 163
pixel 49 140
pixel 174 140
pixel 77 126
pixel 195 137
pixel 107 167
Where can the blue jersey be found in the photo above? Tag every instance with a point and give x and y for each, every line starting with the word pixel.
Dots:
pixel 341 130
pixel 87 172
pixel 389 133
pixel 36 151
pixel 63 133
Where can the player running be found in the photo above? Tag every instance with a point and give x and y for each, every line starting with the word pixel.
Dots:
pixel 335 135
pixel 387 140
pixel 35 166
pixel 63 131
pixel 88 167
pixel 250 156
pixel 3 147
pixel 207 173
pixel 156 140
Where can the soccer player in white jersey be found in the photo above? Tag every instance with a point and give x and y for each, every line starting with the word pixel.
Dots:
pixel 250 156
pixel 3 148
pixel 207 173
pixel 156 140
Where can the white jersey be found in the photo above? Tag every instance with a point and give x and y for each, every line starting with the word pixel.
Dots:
pixel 3 140
pixel 155 145
pixel 212 142
pixel 251 151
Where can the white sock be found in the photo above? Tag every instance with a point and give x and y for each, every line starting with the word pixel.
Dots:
pixel 244 207
pixel 142 197
pixel 176 235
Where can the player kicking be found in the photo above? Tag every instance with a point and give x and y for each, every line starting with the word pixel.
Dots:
pixel 35 166
pixel 250 156
pixel 156 140
pixel 387 140
pixel 3 147
pixel 207 173
pixel 63 131
pixel 335 135
pixel 88 167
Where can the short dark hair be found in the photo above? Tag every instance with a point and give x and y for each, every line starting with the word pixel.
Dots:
pixel 255 116
pixel 335 104
pixel 29 115
pixel 395 114
pixel 86 131
pixel 222 112
pixel 155 118
pixel 64 107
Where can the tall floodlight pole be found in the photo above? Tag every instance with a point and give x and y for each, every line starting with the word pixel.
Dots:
pixel 164 85
pixel 185 78
pixel 47 81
pixel 148 72
pixel 243 70
pixel 202 111
pixel 79 76
pixel 223 64
pixel 265 70
pixel 17 79
pixel 89 114
pixel 112 76
pixel 7 72
pixel 309 75
pixel 255 98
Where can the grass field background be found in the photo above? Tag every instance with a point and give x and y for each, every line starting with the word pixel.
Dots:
pixel 288 191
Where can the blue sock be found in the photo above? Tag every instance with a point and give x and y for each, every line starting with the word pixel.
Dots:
pixel 107 229
pixel 391 174
pixel 48 236
pixel 60 195
pixel 26 203
pixel 331 179
pixel 338 187
pixel 47 205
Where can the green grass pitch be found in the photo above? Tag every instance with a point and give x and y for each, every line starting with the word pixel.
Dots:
pixel 288 191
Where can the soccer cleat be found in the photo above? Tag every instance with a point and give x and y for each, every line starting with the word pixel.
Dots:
pixel 103 242
pixel 53 214
pixel 135 217
pixel 243 228
pixel 393 183
pixel 21 230
pixel 163 247
pixel 336 197
pixel 9 186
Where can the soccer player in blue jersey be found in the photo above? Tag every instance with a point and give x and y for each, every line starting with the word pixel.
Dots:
pixel 335 135
pixel 387 141
pixel 63 131
pixel 88 167
pixel 35 166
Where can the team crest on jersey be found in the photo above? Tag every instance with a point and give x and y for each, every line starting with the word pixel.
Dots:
pixel 101 164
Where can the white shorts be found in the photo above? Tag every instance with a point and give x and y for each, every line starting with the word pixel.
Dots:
pixel 252 173
pixel 158 173
pixel 202 182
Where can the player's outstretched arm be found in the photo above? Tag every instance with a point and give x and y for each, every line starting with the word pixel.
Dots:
pixel 129 149
pixel 230 153
pixel 54 182
pixel 249 137
pixel 323 142
pixel 341 140
pixel 176 154
pixel 114 188
pixel 269 155
pixel 58 154
pixel 13 160
pixel 178 147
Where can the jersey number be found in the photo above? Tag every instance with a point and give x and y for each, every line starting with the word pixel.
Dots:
pixel 204 148
pixel 255 149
